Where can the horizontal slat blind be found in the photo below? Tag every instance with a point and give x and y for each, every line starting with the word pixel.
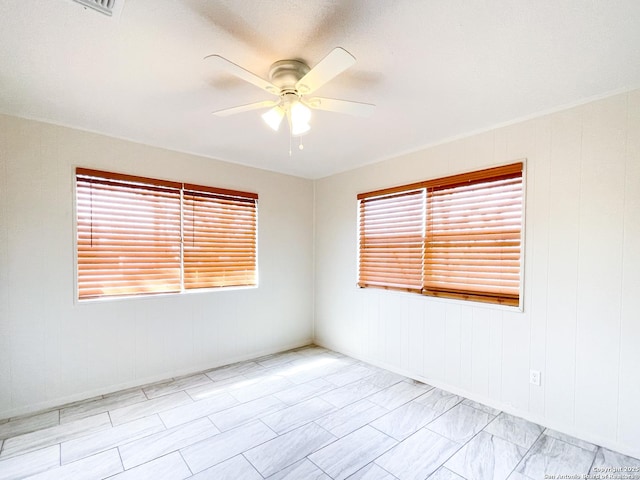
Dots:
pixel 391 241
pixel 219 240
pixel 137 235
pixel 470 243
pixel 473 240
pixel 128 236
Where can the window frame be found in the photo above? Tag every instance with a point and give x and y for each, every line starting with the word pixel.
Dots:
pixel 155 183
pixel 477 176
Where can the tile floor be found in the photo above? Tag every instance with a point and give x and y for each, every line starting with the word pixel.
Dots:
pixel 305 414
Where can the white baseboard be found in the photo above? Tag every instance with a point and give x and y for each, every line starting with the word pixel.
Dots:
pixel 57 402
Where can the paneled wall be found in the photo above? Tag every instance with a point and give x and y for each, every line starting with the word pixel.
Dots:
pixel 54 349
pixel 581 321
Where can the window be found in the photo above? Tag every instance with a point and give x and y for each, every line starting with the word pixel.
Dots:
pixel 139 235
pixel 454 237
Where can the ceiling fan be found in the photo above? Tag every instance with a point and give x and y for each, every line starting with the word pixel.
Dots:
pixel 293 81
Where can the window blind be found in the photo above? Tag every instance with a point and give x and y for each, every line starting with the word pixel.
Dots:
pixel 473 239
pixel 137 235
pixel 128 235
pixel 470 240
pixel 391 241
pixel 219 238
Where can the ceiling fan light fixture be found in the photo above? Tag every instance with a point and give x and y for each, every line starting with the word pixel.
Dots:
pixel 299 129
pixel 300 113
pixel 273 117
pixel 300 116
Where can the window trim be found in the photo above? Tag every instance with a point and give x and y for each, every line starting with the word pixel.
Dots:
pixel 518 166
pixel 160 184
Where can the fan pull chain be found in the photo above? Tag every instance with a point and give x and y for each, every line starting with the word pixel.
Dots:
pixel 301 146
pixel 290 140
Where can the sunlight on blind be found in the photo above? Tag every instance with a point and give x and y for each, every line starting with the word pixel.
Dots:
pixel 137 235
pixel 455 237
pixel 219 240
pixel 128 238
pixel 391 241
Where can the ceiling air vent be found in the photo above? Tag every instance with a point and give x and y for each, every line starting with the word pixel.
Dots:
pixel 104 6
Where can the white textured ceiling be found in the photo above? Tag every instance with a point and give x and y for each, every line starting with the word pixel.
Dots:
pixel 435 69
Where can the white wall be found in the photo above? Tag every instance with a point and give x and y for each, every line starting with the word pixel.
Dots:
pixel 53 349
pixel 581 319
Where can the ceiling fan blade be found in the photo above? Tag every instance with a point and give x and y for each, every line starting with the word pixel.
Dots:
pixel 245 108
pixel 242 73
pixel 329 67
pixel 341 106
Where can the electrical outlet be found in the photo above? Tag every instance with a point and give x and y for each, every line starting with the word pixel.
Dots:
pixel 534 377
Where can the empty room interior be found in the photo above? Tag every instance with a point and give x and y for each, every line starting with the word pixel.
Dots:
pixel 365 240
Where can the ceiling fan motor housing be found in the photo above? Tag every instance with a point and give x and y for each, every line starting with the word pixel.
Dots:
pixel 286 73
